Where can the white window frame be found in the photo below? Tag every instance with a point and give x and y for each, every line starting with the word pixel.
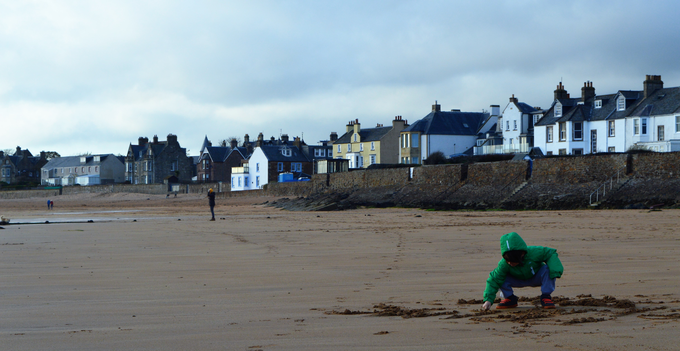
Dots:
pixel 507 125
pixel 558 110
pixel 361 146
pixel 598 103
pixel 549 134
pixel 577 130
pixel 636 126
pixel 621 103
pixel 372 145
pixel 612 129
pixel 514 123
pixel 643 126
pixel 339 149
pixel 677 124
pixel 349 147
pixel 562 131
pixel 372 159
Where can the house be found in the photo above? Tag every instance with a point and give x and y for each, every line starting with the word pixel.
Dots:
pixel 215 162
pixel 22 167
pixel 612 122
pixel 269 159
pixel 517 125
pixel 84 170
pixel 364 147
pixel 152 162
pixel 450 132
pixel 654 123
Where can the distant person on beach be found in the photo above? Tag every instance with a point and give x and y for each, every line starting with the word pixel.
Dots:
pixel 211 202
pixel 520 267
pixel 51 205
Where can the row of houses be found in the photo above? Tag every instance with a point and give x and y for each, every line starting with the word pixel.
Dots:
pixel 616 122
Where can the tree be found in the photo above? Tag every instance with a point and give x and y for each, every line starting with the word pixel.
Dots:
pixel 435 158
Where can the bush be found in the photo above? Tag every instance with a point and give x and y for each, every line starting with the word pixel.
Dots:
pixel 436 158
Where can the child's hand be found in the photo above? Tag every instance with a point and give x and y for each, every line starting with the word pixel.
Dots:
pixel 486 305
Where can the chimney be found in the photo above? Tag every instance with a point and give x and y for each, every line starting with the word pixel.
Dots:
pixel 2 154
pixel 495 110
pixel 398 123
pixel 260 140
pixel 18 152
pixel 246 140
pixel 43 155
pixel 513 99
pixel 357 126
pixel 142 141
pixel 297 143
pixel 334 136
pixel 172 139
pixel 233 143
pixel 436 107
pixel 560 92
pixel 587 92
pixel 652 84
pixel 349 127
pixel 155 139
pixel 284 138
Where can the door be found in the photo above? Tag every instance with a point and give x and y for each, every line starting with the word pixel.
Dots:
pixel 593 141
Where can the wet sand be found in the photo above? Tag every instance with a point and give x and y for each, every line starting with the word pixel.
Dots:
pixel 157 275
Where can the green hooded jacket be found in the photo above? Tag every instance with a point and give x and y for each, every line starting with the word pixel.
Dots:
pixel 535 258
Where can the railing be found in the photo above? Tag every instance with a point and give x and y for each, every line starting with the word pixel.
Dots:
pixel 609 183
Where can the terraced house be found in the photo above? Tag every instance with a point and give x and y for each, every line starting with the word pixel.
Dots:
pixel 22 167
pixel 364 147
pixel 154 162
pixel 84 170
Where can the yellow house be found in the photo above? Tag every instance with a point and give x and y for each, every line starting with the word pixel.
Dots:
pixel 364 147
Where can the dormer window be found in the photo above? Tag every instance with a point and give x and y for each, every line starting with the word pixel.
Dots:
pixel 598 103
pixel 621 103
pixel 286 152
pixel 558 110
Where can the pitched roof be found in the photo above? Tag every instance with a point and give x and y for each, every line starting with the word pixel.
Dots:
pixel 274 153
pixel 661 102
pixel 366 134
pixel 449 123
pixel 74 161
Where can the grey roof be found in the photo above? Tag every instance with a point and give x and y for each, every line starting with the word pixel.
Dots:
pixel 74 161
pixel 661 102
pixel 274 154
pixel 366 134
pixel 449 123
pixel 525 108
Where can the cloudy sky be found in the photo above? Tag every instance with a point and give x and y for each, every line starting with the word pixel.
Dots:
pixel 93 76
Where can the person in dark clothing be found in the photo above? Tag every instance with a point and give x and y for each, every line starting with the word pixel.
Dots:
pixel 211 202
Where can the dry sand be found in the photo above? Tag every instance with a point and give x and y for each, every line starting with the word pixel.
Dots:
pixel 157 275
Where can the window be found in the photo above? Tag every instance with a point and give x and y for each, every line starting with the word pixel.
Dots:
pixel 536 118
pixel 361 147
pixel 549 153
pixel 660 133
pixel 150 167
pixel 349 147
pixel 621 103
pixel 279 167
pixel 677 124
pixel 578 130
pixel 372 145
pixel 339 150
pixel 355 137
pixel 644 126
pixel 549 134
pixel 257 167
pixel 563 131
pixel 612 130
pixel 239 181
pixel 245 181
pixel 562 151
pixel 593 141
pixel 174 166
pixel 232 182
pixel 558 110
pixel 372 159
pixel 577 151
pixel 414 140
pixel 507 125
pixel 598 103
pixel 319 152
pixel 611 149
pixel 286 152
pixel 514 122
pixel 636 126
pixel 257 181
pixel 415 160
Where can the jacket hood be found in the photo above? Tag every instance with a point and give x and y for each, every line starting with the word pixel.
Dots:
pixel 512 241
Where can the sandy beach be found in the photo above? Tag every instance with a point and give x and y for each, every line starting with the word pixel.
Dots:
pixel 146 272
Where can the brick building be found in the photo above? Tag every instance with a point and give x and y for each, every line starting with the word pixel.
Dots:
pixel 153 162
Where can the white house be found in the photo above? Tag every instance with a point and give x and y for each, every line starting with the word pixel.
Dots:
pixel 517 125
pixel 83 170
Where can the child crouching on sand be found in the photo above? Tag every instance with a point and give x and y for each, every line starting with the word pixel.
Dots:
pixel 522 266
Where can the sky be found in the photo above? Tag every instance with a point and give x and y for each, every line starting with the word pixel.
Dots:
pixel 93 76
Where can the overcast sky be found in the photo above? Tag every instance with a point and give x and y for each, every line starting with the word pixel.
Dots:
pixel 93 76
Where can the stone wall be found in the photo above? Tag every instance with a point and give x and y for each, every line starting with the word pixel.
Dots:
pixel 656 165
pixel 574 170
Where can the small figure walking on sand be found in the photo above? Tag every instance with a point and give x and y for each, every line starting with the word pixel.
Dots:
pixel 522 266
pixel 211 202
pixel 50 204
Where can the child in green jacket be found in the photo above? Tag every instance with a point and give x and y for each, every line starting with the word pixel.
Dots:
pixel 522 266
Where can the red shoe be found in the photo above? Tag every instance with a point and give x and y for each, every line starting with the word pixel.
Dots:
pixel 510 302
pixel 547 302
